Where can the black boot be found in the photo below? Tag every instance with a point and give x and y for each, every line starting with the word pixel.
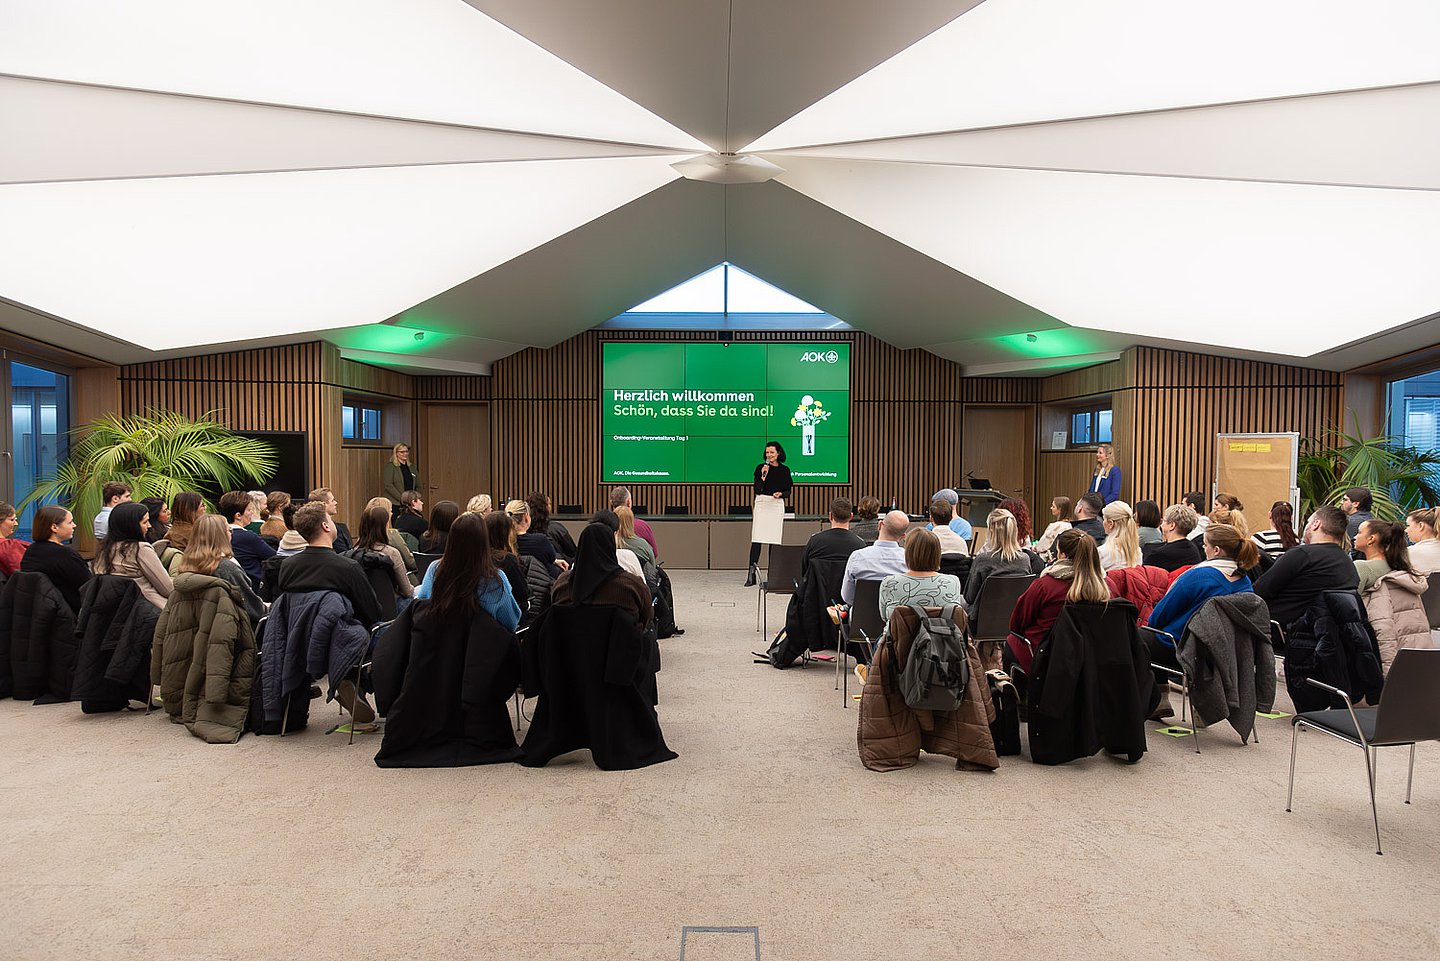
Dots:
pixel 752 575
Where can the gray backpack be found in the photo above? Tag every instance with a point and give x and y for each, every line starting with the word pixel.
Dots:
pixel 938 670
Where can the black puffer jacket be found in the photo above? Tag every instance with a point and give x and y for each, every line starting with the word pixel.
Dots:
pixel 37 640
pixel 1332 642
pixel 539 582
pixel 116 629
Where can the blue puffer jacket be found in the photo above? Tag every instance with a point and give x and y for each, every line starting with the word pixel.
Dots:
pixel 307 636
pixel 1333 643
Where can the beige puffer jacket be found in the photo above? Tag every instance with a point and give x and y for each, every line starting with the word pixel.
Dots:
pixel 1397 613
pixel 891 734
pixel 204 658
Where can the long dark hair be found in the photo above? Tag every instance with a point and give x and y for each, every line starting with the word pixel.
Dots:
pixel 502 533
pixel 539 505
pixel 157 529
pixel 124 529
pixel 373 533
pixel 1282 515
pixel 463 571
pixel 1392 539
pixel 442 519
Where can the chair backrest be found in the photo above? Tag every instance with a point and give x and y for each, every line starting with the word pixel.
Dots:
pixel 382 582
pixel 1431 599
pixel 738 510
pixel 998 597
pixel 956 565
pixel 1408 711
pixel 640 509
pixel 570 509
pixel 680 510
pixel 423 562
pixel 783 574
pixel 865 610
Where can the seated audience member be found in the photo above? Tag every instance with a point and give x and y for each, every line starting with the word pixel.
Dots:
pixel 1147 523
pixel 1391 590
pixel 112 494
pixel 630 537
pixel 1226 502
pixel 468 568
pixel 12 548
pixel 410 518
pixel 319 568
pixel 1176 548
pixel 620 497
pixel 126 553
pixel 1002 555
pixel 920 584
pixel 836 542
pixel 392 536
pixel 1303 573
pixel 1087 517
pixel 290 542
pixel 1075 578
pixel 532 543
pixel 881 559
pixel 628 559
pixel 258 502
pixel 1280 536
pixel 184 508
pixel 1227 557
pixel 1121 547
pixel 323 495
pixel 1232 517
pixel 866 524
pixel 442 518
pixel 48 553
pixel 541 507
pixel 941 513
pixel 159 519
pixel 1064 517
pixel 502 554
pixel 479 504
pixel 236 508
pixel 210 553
pixel 597 578
pixel 375 536
pixel 1196 502
pixel 1355 504
pixel 1424 546
pixel 957 524
pixel 1021 512
pixel 272 522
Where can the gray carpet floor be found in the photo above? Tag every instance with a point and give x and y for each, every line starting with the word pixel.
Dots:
pixel 125 838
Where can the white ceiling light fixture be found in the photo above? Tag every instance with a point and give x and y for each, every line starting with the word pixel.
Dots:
pixel 728 168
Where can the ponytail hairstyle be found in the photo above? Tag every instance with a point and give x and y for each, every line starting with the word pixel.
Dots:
pixel 1125 536
pixel 1233 518
pixel 1001 537
pixel 1087 584
pixel 1282 516
pixel 1229 501
pixel 1426 517
pixel 1233 545
pixel 1392 539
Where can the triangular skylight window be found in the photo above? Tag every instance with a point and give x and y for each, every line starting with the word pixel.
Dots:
pixel 726 296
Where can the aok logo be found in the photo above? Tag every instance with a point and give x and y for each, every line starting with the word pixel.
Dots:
pixel 819 357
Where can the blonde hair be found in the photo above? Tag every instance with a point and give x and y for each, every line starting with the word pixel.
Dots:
pixel 259 500
pixel 384 502
pixel 517 508
pixel 1233 518
pixel 1125 536
pixel 1109 450
pixel 209 545
pixel 1427 516
pixel 1087 579
pixel 395 453
pixel 479 504
pixel 627 522
pixel 1002 535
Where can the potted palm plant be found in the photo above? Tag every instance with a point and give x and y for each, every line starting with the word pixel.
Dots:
pixel 1399 478
pixel 159 454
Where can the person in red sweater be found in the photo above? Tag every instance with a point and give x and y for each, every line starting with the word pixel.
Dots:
pixel 1076 576
pixel 11 547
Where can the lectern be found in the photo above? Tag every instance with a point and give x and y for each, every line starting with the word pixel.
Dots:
pixel 982 502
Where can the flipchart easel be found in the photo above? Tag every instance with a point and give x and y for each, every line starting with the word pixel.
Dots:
pixel 1260 469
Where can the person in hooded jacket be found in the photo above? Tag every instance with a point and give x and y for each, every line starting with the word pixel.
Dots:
pixel 597 578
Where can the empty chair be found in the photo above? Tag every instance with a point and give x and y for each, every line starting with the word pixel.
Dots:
pixel 570 509
pixel 1407 714
pixel 678 510
pixel 37 640
pixel 444 689
pixel 591 669
pixel 990 623
pixel 738 510
pixel 640 509
pixel 863 620
pixel 423 562
pixel 782 576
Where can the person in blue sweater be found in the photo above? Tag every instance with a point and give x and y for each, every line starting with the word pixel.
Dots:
pixel 1227 554
pixel 1106 479
pixel 468 571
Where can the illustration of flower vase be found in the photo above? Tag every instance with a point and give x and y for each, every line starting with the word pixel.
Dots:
pixel 809 413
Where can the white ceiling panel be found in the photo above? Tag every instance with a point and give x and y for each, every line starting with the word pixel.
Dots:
pixel 422 59
pixel 1275 267
pixel 201 260
pixel 1373 138
pixel 67 131
pixel 1023 61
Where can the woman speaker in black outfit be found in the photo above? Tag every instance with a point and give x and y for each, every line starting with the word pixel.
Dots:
pixel 772 477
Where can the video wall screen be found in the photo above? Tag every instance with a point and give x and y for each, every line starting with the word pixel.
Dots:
pixel 678 412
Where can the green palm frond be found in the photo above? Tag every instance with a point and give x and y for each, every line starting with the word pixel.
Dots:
pixel 1399 478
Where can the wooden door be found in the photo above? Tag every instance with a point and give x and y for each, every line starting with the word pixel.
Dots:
pixel 454 463
pixel 999 444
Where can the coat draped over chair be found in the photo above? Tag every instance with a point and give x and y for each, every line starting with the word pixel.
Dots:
pixel 1229 660
pixel 116 631
pixel 37 640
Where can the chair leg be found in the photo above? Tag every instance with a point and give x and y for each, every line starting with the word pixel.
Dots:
pixel 1294 738
pixel 1410 779
pixel 839 654
pixel 764 615
pixel 1184 702
pixel 517 712
pixel 1374 812
pixel 759 603
pixel 359 696
pixel 285 714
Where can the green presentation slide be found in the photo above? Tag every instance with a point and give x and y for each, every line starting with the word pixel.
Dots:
pixel 702 413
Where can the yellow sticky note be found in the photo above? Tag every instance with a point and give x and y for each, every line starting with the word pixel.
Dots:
pixel 1263 448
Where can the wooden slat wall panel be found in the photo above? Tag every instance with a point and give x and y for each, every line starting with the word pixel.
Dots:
pixel 453 388
pixel 1099 379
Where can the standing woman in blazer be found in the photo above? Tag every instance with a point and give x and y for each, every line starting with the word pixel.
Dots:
pixel 772 477
pixel 400 475
pixel 1106 479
